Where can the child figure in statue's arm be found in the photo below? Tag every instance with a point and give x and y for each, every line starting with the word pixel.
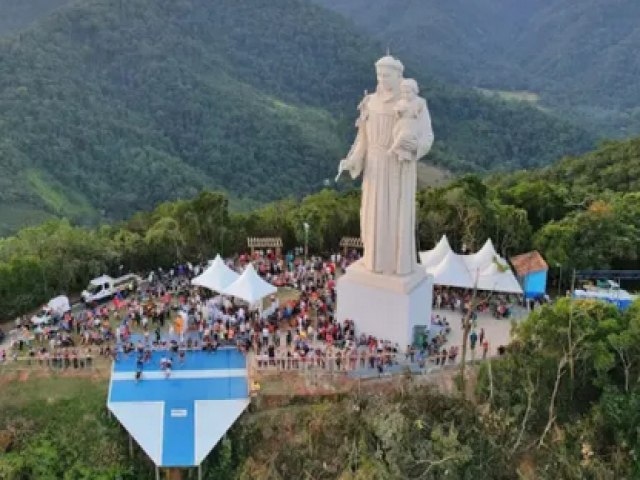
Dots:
pixel 407 110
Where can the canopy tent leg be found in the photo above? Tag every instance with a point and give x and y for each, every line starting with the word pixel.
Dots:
pixel 157 473
pixel 130 446
pixel 200 472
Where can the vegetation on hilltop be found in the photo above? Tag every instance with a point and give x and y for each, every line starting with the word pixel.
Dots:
pixel 561 403
pixel 117 106
pixel 585 210
pixel 58 428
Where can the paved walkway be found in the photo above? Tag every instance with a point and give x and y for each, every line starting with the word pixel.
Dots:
pixel 497 332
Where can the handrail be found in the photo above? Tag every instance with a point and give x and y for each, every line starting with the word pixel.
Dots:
pixel 347 362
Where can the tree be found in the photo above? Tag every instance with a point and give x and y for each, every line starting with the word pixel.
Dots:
pixel 167 240
pixel 512 228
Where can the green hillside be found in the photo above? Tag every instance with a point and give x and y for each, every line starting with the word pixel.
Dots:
pixel 18 14
pixel 580 56
pixel 584 211
pixel 116 106
pixel 613 167
pixel 461 41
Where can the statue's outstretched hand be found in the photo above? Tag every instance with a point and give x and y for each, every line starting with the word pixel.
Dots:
pixel 344 165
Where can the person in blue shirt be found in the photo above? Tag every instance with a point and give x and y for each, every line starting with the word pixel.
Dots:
pixel 473 338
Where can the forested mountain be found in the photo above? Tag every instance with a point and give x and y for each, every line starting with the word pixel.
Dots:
pixel 581 57
pixel 111 106
pixel 18 14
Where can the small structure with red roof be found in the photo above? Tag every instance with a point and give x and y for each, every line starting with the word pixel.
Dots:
pixel 531 270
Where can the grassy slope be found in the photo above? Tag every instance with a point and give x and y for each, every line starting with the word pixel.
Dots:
pixel 14 217
pixel 57 426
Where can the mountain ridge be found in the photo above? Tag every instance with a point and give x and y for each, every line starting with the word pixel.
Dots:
pixel 580 57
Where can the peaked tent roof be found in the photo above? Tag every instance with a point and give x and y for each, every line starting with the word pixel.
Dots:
pixel 491 271
pixel 482 258
pixel 452 271
pixel 498 277
pixel 250 287
pixel 217 277
pixel 431 258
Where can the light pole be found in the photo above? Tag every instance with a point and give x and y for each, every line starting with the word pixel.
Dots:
pixel 222 228
pixel 559 265
pixel 306 240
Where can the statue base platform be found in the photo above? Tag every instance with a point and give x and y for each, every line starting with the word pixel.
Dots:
pixel 387 307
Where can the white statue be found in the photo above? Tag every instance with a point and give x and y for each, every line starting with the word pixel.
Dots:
pixel 394 132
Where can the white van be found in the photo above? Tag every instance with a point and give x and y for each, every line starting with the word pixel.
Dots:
pixel 105 287
pixel 52 312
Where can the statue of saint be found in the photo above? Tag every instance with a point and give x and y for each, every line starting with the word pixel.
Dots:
pixel 394 132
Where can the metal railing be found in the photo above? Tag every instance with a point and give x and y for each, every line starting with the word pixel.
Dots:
pixel 53 365
pixel 263 363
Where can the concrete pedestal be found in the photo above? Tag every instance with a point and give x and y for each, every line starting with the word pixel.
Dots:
pixel 387 307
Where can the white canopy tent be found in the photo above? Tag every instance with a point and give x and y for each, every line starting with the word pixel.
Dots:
pixel 432 258
pixel 485 266
pixel 481 259
pixel 250 287
pixel 498 277
pixel 216 277
pixel 450 271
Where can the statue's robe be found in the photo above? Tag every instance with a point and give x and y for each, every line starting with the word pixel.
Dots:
pixel 387 213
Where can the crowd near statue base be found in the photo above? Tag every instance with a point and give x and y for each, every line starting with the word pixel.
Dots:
pixel 388 307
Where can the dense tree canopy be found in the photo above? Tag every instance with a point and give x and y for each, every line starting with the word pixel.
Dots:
pixel 569 384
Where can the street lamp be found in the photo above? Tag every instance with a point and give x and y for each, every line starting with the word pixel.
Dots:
pixel 306 240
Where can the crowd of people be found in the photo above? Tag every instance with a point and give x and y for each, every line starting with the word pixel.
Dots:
pixel 168 313
pixel 457 300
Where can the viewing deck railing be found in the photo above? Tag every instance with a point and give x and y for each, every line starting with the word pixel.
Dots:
pixel 361 362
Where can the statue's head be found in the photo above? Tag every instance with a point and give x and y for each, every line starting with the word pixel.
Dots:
pixel 389 71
